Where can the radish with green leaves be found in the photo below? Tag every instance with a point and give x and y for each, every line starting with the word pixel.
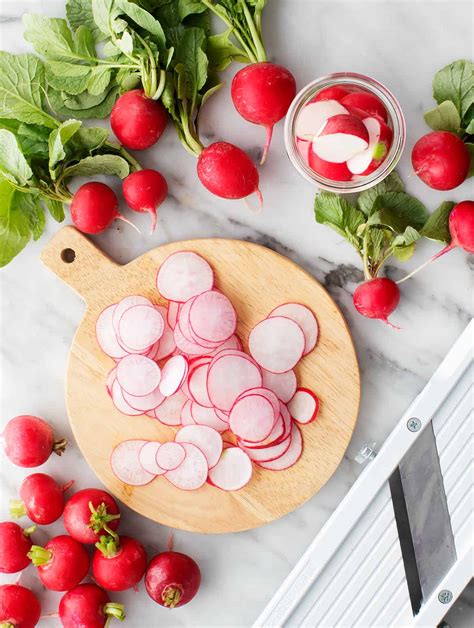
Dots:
pixel 138 121
pixel 95 207
pixel 90 513
pixel 41 498
pixel 62 563
pixel 15 543
pixel 19 607
pixel 144 191
pixel 88 606
pixel 29 441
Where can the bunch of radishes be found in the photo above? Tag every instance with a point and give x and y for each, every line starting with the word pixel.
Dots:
pixel 343 133
pixel 91 518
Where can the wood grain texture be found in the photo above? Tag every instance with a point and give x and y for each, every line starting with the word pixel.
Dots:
pixel 256 280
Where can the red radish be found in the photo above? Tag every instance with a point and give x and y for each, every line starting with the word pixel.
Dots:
pixel 172 579
pixel 19 607
pixel 277 344
pixel 342 137
pixel 170 455
pixel 328 169
pixel 367 102
pixel 62 563
pixel 313 115
pixel 88 512
pixel 336 92
pixel 88 606
pixel 15 543
pixel 262 94
pixel 41 498
pixel 303 317
pixel 227 171
pixel 191 474
pixel 29 441
pixel 94 208
pixel 125 463
pixel 118 564
pixel 380 140
pixel 138 121
pixel 204 438
pixel 291 455
pixel 304 406
pixel 233 471
pixel 441 160
pixel 144 191
pixel 377 298
pixel 184 275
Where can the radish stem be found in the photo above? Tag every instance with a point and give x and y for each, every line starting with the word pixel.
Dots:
pixel 60 446
pixel 446 249
pixel 39 555
pixel 17 509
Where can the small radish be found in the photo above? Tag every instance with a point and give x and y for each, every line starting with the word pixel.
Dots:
pixel 380 141
pixel 19 607
pixel 367 102
pixel 377 298
pixel 90 513
pixel 15 543
pixel 118 564
pixel 41 498
pixel 336 92
pixel 29 441
pixel 328 169
pixel 172 579
pixel 88 606
pixel 342 137
pixel 314 115
pixel 441 160
pixel 227 171
pixel 94 208
pixel 138 121
pixel 262 94
pixel 144 191
pixel 62 563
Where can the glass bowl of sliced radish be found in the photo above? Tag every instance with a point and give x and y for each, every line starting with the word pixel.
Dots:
pixel 345 132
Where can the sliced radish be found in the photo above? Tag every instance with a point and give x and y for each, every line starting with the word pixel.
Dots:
pixel 192 472
pixel 291 456
pixel 184 275
pixel 367 102
pixel 286 416
pixel 197 385
pixel 125 463
pixel 145 403
pixel 106 336
pixel 125 304
pixel 327 169
pixel 231 374
pixel 140 327
pixel 268 394
pixel 269 453
pixel 166 344
pixel 207 416
pixel 186 416
pixel 109 382
pixel 138 375
pixel 169 412
pixel 186 346
pixel 304 318
pixel 173 375
pixel 232 343
pixel 120 403
pixel 233 471
pixel 277 344
pixel 173 311
pixel 380 140
pixel 207 439
pixel 284 385
pixel 170 455
pixel 336 92
pixel 147 458
pixel 252 418
pixel 313 115
pixel 277 434
pixel 224 416
pixel 341 137
pixel 212 317
pixel 304 406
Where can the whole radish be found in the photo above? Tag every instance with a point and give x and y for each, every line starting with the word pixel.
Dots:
pixel 370 103
pixel 262 93
pixel 172 579
pixel 377 298
pixel 144 191
pixel 118 564
pixel 138 121
pixel 19 607
pixel 62 563
pixel 441 160
pixel 227 171
pixel 41 498
pixel 90 513
pixel 29 441
pixel 88 606
pixel 15 543
pixel 94 208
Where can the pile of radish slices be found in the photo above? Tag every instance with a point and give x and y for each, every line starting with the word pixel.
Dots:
pixel 343 134
pixel 184 366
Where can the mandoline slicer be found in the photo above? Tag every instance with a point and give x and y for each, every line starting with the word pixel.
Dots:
pixel 398 550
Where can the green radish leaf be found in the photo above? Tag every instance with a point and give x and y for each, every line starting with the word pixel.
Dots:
pixel 105 13
pixel 30 207
pixel 22 89
pixel 455 82
pixel 57 142
pixel 99 80
pixel 84 106
pixel 79 13
pixel 85 42
pixel 407 238
pixel 335 211
pixel 9 125
pixel 190 53
pixel 99 164
pixel 125 43
pixel 444 117
pixel 13 165
pixel 470 148
pixel 89 139
pixel 190 7
pixel 55 208
pixel 146 21
pixel 15 232
pixel 436 227
pixel 33 140
pixel 397 211
pixel 403 253
pixel 68 77
pixel 221 51
pixel 50 36
pixel 367 198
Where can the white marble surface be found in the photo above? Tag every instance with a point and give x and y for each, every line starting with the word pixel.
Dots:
pixel 401 43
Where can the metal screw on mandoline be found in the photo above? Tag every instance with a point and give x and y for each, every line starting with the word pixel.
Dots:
pixel 366 452
pixel 414 424
pixel 445 596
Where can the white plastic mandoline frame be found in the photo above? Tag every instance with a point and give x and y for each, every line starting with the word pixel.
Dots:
pixel 353 574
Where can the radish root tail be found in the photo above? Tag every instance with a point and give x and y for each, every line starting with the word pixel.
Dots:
pixel 269 130
pixel 446 249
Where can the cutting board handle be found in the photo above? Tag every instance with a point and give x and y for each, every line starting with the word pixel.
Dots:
pixel 77 261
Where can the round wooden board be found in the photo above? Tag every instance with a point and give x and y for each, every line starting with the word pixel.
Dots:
pixel 256 279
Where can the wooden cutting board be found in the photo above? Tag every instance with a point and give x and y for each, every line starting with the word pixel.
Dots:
pixel 256 280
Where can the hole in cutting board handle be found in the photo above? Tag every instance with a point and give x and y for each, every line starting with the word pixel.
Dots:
pixel 68 256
